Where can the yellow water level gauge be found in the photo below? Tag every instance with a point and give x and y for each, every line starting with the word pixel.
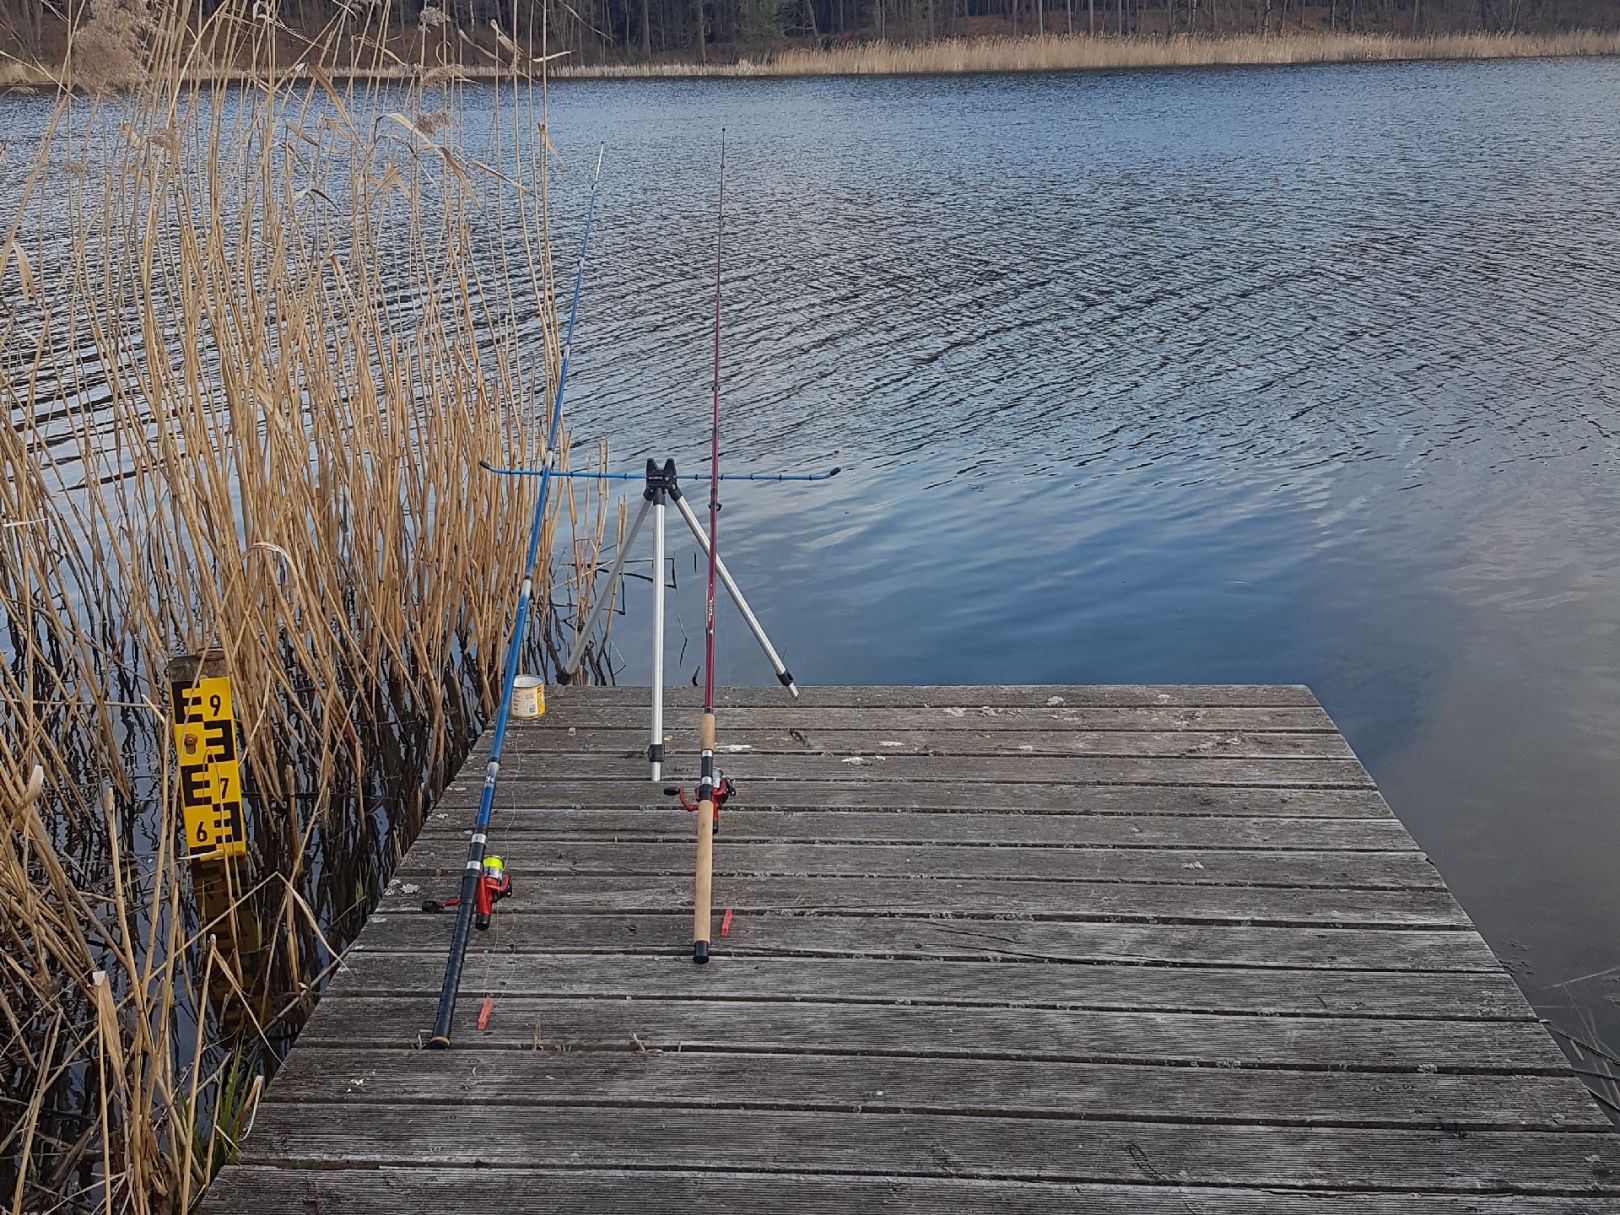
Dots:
pixel 210 776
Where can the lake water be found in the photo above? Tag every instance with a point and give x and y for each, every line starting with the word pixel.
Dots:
pixel 1279 375
pixel 1236 375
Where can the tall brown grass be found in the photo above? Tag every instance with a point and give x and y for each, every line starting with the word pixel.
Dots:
pixel 14 74
pixel 253 345
pixel 1054 53
pixel 1029 53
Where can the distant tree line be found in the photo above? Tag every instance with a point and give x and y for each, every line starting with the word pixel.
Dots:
pixel 631 31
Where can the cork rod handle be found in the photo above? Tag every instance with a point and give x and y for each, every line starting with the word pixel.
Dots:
pixel 702 902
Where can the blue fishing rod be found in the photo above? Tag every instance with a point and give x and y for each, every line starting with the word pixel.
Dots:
pixel 473 897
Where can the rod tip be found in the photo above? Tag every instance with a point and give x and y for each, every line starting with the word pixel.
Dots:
pixel 700 952
pixel 439 1042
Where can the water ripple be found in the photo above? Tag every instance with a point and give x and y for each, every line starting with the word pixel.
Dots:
pixel 1283 374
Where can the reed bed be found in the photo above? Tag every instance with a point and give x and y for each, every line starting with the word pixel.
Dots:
pixel 1058 53
pixel 1027 53
pixel 253 345
pixel 15 75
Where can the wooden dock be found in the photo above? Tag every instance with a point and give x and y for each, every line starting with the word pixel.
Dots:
pixel 1111 950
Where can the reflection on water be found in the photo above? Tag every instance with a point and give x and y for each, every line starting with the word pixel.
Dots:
pixel 1279 375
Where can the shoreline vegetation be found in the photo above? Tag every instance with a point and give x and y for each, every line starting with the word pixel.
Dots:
pixel 254 347
pixel 944 56
pixel 1078 52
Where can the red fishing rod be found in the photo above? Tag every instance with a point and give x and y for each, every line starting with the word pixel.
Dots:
pixel 702 909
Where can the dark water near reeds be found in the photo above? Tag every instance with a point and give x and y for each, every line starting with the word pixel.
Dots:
pixel 1278 375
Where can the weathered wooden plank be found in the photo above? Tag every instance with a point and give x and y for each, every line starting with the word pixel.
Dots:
pixel 559 791
pixel 568 713
pixel 1324 993
pixel 860 696
pixel 486 1079
pixel 1015 769
pixel 620 1013
pixel 745 740
pixel 767 935
pixel 948 1146
pixel 745 824
pixel 256 1190
pixel 880 897
pixel 440 856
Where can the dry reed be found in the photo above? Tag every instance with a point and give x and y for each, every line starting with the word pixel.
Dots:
pixel 253 345
pixel 1056 53
pixel 1029 53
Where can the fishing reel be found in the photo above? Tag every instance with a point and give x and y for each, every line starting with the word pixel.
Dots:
pixel 724 787
pixel 494 884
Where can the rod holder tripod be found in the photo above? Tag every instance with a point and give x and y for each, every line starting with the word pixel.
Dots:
pixel 663 487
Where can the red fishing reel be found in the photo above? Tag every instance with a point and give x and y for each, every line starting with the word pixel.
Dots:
pixel 723 789
pixel 494 884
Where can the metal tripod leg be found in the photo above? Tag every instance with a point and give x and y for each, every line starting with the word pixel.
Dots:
pixel 783 675
pixel 655 749
pixel 577 654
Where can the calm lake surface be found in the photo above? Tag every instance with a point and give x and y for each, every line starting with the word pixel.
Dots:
pixel 1238 375
pixel 1279 375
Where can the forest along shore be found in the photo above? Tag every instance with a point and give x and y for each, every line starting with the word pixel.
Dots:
pixel 1001 53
